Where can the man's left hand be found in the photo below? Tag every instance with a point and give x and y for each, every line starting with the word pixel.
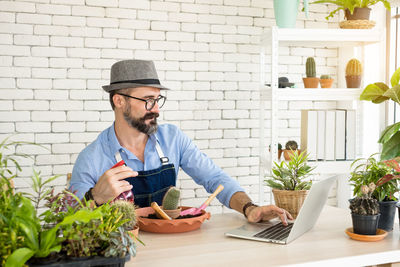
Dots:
pixel 265 213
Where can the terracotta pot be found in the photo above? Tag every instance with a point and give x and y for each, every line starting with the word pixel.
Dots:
pixel 135 231
pixel 290 200
pixel 171 213
pixel 311 82
pixel 353 81
pixel 287 153
pixel 358 14
pixel 280 154
pixel 326 83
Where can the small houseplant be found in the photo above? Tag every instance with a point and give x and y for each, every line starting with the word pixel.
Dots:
pixel 365 211
pixel 326 81
pixel 170 202
pixel 353 73
pixel 380 92
pixel 280 150
pixel 385 175
pixel 288 182
pixel 291 147
pixel 311 81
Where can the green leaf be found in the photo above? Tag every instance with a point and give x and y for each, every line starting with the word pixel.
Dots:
pixel 393 93
pixel 390 149
pixel 395 78
pixel 389 132
pixel 375 92
pixel 19 257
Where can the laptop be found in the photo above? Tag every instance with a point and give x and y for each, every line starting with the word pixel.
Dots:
pixel 276 232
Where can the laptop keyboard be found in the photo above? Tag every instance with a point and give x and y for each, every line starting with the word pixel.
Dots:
pixel 276 232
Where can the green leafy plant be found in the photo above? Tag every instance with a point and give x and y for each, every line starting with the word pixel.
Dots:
pixel 350 5
pixel 290 175
pixel 384 174
pixel 377 93
pixel 365 204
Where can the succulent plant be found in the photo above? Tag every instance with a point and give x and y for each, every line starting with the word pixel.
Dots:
pixel 365 204
pixel 128 211
pixel 326 77
pixel 291 145
pixel 354 67
pixel 310 67
pixel 171 199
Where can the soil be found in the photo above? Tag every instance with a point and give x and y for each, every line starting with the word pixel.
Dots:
pixel 153 216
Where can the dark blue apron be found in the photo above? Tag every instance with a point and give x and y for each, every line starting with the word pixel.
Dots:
pixel 151 185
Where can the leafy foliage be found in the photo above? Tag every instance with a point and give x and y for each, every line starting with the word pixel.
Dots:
pixel 350 5
pixel 290 175
pixel 384 174
pixel 378 93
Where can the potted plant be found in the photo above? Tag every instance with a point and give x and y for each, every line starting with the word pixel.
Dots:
pixel 291 147
pixel 353 73
pixel 311 81
pixel 128 211
pixel 288 182
pixel 280 150
pixel 380 92
pixel 170 202
pixel 365 212
pixel 357 12
pixel 68 229
pixel 326 81
pixel 385 175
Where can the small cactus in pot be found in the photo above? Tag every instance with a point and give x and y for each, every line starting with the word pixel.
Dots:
pixel 326 81
pixel 290 148
pixel 170 202
pixel 354 72
pixel 311 81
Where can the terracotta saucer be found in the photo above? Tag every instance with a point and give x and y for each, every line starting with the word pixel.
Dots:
pixel 380 234
pixel 169 226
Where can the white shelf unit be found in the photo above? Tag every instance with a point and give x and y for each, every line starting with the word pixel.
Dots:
pixel 345 40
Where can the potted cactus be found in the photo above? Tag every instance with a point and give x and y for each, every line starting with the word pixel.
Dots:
pixel 365 211
pixel 326 81
pixel 353 73
pixel 128 211
pixel 170 203
pixel 311 81
pixel 291 147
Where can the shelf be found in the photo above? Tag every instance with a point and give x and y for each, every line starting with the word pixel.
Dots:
pixel 323 37
pixel 326 94
pixel 326 167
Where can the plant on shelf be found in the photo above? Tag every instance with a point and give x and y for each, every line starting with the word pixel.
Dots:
pixel 380 92
pixel 383 174
pixel 326 81
pixel 291 147
pixel 280 150
pixel 68 228
pixel 311 81
pixel 289 184
pixel 365 211
pixel 353 73
pixel 354 9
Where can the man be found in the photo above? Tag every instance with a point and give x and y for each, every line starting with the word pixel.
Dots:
pixel 153 153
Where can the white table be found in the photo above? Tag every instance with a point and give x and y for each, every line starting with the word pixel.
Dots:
pixel 325 245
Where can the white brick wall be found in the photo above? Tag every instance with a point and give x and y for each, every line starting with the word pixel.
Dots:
pixel 56 54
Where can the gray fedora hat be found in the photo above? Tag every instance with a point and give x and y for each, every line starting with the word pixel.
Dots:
pixel 133 73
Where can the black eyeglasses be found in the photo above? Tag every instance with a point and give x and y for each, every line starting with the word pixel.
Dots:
pixel 151 102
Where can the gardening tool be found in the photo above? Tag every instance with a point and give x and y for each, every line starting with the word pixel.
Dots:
pixel 196 211
pixel 127 195
pixel 159 211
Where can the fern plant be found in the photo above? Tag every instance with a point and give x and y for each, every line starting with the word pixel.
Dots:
pixel 291 175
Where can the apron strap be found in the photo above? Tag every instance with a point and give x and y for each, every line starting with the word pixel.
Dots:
pixel 164 160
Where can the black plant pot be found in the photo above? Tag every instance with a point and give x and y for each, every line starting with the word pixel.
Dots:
pixel 388 212
pixel 365 224
pixel 87 262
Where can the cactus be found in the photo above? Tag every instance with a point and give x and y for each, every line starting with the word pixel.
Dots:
pixel 128 211
pixel 365 205
pixel 171 199
pixel 310 68
pixel 354 68
pixel 291 145
pixel 326 77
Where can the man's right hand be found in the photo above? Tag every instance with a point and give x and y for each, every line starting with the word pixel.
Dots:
pixel 111 184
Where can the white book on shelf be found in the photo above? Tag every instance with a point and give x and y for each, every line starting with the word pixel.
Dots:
pixel 340 135
pixel 330 135
pixel 320 134
pixel 308 134
pixel 350 134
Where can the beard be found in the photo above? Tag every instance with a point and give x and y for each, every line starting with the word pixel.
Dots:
pixel 140 124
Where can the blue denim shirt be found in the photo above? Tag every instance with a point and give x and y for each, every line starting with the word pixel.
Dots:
pixel 98 157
